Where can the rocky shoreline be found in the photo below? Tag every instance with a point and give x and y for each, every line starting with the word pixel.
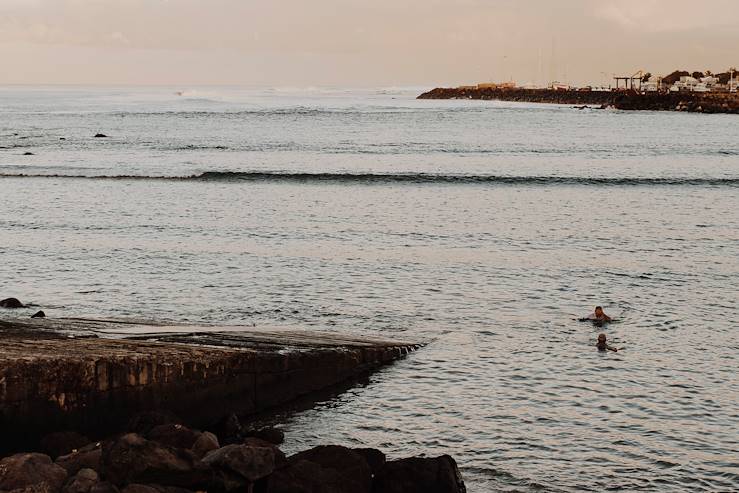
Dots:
pixel 159 454
pixel 141 399
pixel 692 102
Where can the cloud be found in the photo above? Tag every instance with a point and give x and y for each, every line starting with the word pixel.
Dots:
pixel 668 16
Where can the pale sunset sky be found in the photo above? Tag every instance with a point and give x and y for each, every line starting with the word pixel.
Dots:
pixel 359 43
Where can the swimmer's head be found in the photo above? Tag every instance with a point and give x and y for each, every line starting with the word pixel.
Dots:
pixel 598 311
pixel 601 338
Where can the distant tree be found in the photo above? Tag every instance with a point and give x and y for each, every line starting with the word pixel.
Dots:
pixel 646 77
pixel 697 75
pixel 674 77
pixel 708 73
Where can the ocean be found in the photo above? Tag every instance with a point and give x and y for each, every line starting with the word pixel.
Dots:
pixel 482 228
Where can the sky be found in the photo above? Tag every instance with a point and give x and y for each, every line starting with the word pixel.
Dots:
pixel 353 43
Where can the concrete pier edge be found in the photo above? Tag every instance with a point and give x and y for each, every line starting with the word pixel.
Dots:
pixel 51 380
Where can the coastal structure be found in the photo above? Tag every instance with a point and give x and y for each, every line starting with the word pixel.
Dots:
pixel 679 91
pixel 54 376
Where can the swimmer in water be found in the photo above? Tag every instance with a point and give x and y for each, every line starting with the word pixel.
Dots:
pixel 597 316
pixel 602 345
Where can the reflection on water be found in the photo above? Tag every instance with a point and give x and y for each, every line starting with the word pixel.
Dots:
pixel 492 274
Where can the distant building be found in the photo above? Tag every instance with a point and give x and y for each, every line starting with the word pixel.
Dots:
pixel 559 86
pixel 497 85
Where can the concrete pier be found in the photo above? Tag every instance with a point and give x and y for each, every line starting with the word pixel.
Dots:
pixel 54 376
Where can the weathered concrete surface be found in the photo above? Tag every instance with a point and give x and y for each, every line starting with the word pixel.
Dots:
pixel 50 380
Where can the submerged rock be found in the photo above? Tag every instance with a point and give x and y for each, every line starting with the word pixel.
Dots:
pixel 35 472
pixel 420 475
pixel 28 153
pixel 39 314
pixel 11 303
pixel 99 135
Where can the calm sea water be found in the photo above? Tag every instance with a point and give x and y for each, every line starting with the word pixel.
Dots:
pixel 483 228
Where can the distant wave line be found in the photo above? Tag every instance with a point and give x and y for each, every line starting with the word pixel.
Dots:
pixel 417 178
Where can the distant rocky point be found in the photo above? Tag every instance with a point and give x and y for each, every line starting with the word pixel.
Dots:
pixel 696 102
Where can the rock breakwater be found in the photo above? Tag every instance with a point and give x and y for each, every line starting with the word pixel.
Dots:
pixel 173 458
pixel 693 102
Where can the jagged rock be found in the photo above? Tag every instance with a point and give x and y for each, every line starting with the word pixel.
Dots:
pixel 280 459
pixel 104 487
pixel 269 434
pixel 99 135
pixel 62 443
pixel 420 475
pixel 174 435
pixel 88 457
pixel 235 466
pixel 11 303
pixel 143 423
pixel 82 482
pixel 206 442
pixel 375 459
pixel 39 314
pixel 34 471
pixel 229 430
pixel 322 469
pixel 133 459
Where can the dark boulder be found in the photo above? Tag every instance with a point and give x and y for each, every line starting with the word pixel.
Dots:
pixel 324 469
pixel 28 153
pixel 133 459
pixel 143 423
pixel 104 487
pixel 170 489
pixel 268 434
pixel 375 459
pixel 63 443
pixel 420 475
pixel 229 430
pixel 39 314
pixel 33 471
pixel 11 303
pixel 99 135
pixel 82 482
pixel 88 457
pixel 280 459
pixel 174 435
pixel 236 466
pixel 206 442
pixel 139 488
